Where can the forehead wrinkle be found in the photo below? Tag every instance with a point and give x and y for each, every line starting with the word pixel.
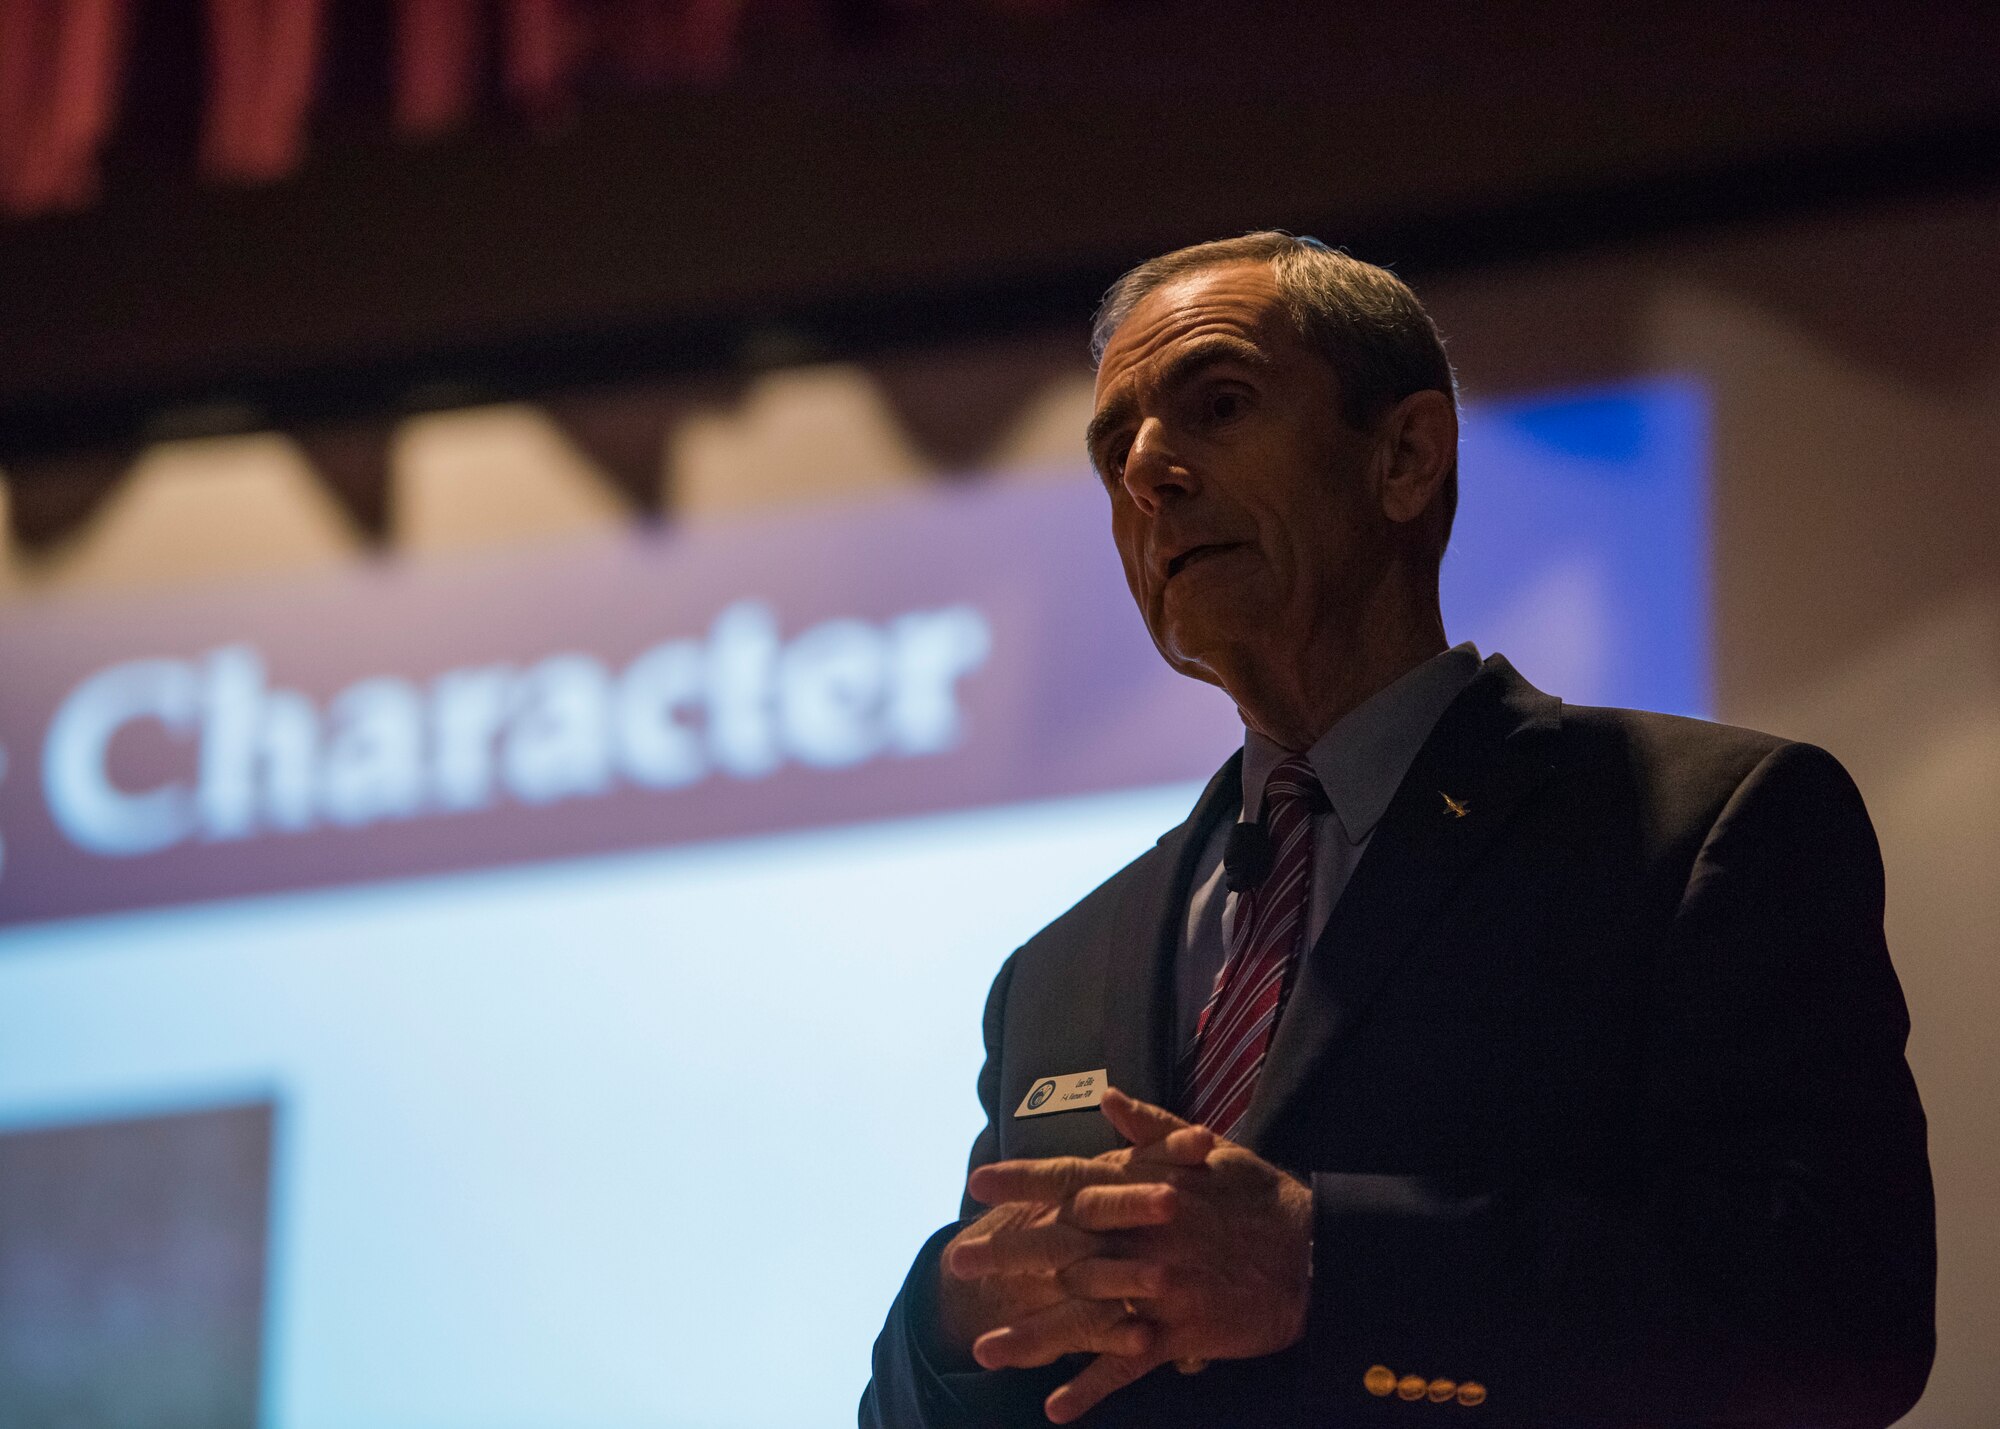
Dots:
pixel 1201 353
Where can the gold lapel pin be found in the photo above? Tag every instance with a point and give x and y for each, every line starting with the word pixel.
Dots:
pixel 1452 806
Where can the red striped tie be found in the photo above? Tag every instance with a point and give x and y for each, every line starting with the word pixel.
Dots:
pixel 1235 1027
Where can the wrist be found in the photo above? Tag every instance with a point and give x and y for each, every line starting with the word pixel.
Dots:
pixel 1300 1202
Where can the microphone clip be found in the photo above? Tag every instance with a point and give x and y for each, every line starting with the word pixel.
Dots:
pixel 1247 858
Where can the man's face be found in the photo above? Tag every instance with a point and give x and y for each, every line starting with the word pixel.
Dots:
pixel 1240 499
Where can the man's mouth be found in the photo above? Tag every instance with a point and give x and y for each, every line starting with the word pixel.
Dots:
pixel 1195 553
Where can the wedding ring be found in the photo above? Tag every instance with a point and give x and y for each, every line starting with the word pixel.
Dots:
pixel 1190 1366
pixel 1130 1308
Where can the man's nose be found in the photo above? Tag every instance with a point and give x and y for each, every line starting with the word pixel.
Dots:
pixel 1154 470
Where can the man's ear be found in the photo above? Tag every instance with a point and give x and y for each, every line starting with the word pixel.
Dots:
pixel 1416 444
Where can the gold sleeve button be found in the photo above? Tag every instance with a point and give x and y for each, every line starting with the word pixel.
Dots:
pixel 1411 1386
pixel 1472 1392
pixel 1440 1390
pixel 1380 1381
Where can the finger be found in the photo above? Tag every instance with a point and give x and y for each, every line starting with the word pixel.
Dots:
pixel 1019 1250
pixel 1104 1375
pixel 1069 1327
pixel 1187 1147
pixel 1121 1208
pixel 1140 1123
pixel 1047 1182
pixel 1104 1278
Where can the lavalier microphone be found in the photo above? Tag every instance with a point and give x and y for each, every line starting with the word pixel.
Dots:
pixel 1247 858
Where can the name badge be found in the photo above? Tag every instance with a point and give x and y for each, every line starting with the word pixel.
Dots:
pixel 1071 1092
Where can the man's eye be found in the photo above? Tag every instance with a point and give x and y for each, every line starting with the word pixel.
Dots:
pixel 1225 406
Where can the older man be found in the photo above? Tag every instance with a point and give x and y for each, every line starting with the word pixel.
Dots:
pixel 1478 1058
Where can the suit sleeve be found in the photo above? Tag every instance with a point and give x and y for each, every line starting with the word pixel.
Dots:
pixel 918 1381
pixel 1775 1264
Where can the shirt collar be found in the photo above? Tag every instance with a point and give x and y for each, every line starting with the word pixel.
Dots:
pixel 1363 758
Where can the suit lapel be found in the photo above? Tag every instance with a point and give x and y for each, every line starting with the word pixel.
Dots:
pixel 1493 745
pixel 1138 1012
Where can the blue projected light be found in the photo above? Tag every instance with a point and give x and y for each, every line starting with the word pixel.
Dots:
pixel 1580 549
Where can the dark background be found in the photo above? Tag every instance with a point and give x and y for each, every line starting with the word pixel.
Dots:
pixel 853 175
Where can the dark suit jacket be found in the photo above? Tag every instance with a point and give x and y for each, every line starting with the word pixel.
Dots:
pixel 1599 1089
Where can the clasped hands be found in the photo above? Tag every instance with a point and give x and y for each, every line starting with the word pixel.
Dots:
pixel 1181 1247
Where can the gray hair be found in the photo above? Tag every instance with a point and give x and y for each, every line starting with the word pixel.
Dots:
pixel 1362 319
